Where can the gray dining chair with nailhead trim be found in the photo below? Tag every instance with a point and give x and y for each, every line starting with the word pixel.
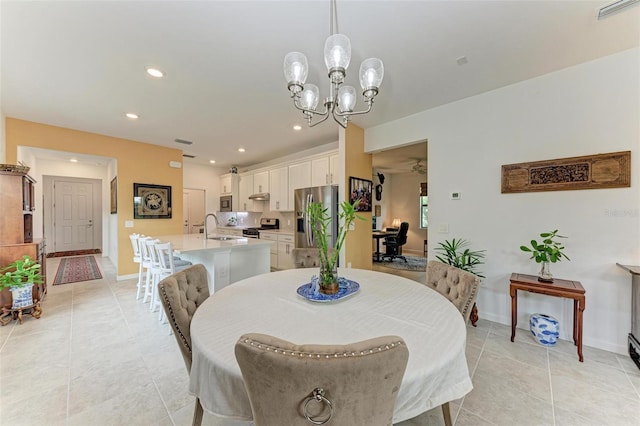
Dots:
pixel 181 294
pixel 354 384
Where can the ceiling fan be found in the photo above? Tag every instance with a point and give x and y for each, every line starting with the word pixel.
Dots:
pixel 419 167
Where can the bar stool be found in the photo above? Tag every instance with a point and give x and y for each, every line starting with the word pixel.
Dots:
pixel 168 265
pixel 137 258
pixel 146 247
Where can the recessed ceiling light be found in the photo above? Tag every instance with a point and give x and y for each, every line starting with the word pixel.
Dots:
pixel 241 149
pixel 154 72
pixel 212 161
pixel 297 127
pixel 462 60
pixel 74 160
pixel 131 115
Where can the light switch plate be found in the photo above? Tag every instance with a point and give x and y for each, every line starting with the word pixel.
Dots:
pixel 128 224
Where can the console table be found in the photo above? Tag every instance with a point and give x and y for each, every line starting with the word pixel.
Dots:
pixel 558 288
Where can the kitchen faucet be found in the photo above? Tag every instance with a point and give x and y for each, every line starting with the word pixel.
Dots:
pixel 206 235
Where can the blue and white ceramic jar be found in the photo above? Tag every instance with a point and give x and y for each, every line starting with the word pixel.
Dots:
pixel 544 328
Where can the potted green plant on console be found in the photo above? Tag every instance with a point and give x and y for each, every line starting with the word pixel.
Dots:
pixel 20 276
pixel 545 252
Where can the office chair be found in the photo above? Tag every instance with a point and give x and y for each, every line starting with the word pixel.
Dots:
pixel 394 243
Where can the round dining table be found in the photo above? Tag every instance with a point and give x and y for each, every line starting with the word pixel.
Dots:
pixel 384 304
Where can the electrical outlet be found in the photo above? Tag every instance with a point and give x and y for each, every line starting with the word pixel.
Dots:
pixel 128 224
pixel 288 222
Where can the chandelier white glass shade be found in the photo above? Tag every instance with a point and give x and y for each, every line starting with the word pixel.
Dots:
pixel 340 104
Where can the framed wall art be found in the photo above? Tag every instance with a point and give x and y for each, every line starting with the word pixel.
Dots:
pixel 360 189
pixel 611 170
pixel 151 201
pixel 114 195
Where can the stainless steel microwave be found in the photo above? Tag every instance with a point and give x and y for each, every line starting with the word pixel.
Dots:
pixel 225 203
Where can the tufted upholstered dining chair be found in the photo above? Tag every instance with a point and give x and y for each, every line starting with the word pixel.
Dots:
pixel 457 285
pixel 181 294
pixel 354 384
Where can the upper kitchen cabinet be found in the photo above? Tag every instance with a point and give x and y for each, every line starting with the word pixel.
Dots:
pixel 245 190
pixel 261 182
pixel 325 171
pixel 279 189
pixel 229 184
pixel 299 177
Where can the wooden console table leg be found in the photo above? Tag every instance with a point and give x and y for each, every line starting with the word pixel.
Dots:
pixel 581 306
pixel 474 315
pixel 575 322
pixel 514 311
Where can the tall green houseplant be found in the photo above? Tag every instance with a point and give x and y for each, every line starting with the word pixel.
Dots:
pixel 456 254
pixel 321 219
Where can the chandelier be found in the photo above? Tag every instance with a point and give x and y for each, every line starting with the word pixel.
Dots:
pixel 341 101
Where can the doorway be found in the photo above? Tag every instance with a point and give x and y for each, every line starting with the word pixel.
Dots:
pixel 193 201
pixel 71 215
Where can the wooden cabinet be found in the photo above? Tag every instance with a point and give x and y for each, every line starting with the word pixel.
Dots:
pixel 279 189
pixel 16 227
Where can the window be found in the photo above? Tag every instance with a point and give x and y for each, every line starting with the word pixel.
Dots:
pixel 423 212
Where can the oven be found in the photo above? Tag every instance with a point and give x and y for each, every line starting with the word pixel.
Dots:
pixel 225 203
pixel 251 233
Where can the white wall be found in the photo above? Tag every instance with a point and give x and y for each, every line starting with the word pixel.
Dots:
pixel 586 109
pixel 196 176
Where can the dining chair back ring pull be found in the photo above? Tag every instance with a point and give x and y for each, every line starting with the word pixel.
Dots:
pixel 318 395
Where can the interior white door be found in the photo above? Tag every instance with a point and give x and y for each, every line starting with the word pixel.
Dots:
pixel 194 210
pixel 73 215
pixel 185 212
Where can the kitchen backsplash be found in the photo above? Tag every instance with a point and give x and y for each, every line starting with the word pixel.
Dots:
pixel 251 219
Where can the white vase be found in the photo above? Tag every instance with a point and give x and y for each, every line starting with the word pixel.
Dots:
pixel 22 296
pixel 545 273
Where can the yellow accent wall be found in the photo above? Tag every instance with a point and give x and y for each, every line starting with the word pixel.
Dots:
pixel 357 164
pixel 136 162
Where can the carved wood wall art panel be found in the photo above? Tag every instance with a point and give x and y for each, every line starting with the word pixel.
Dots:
pixel 612 170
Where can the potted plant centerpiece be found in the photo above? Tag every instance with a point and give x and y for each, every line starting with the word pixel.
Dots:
pixel 548 250
pixel 320 220
pixel 19 277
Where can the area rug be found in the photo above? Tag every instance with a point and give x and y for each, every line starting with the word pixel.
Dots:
pixel 413 263
pixel 75 269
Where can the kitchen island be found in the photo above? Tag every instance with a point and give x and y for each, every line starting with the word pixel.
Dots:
pixel 227 259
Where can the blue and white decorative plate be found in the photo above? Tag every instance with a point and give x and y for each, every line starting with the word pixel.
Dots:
pixel 310 291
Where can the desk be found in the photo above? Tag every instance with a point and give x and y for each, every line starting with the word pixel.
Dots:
pixel 558 288
pixel 377 235
pixel 386 304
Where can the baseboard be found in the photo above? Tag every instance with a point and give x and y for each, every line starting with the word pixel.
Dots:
pixel 126 277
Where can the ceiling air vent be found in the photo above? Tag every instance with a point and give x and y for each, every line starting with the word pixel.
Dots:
pixel 183 141
pixel 615 7
pixel 188 156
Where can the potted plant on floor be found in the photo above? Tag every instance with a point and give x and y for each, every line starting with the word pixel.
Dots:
pixel 456 254
pixel 20 276
pixel 320 220
pixel 545 252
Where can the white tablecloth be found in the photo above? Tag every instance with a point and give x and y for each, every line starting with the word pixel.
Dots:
pixel 386 304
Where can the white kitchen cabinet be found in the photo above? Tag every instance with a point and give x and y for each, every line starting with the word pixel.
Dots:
pixel 334 169
pixel 229 184
pixel 299 177
pixel 279 189
pixel 273 238
pixel 285 252
pixel 325 171
pixel 246 186
pixel 261 182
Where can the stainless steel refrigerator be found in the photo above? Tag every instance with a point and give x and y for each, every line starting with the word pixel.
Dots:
pixel 328 196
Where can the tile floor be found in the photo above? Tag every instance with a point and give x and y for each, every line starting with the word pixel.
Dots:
pixel 99 357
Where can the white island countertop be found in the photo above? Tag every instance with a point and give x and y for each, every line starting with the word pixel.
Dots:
pixel 227 260
pixel 183 243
